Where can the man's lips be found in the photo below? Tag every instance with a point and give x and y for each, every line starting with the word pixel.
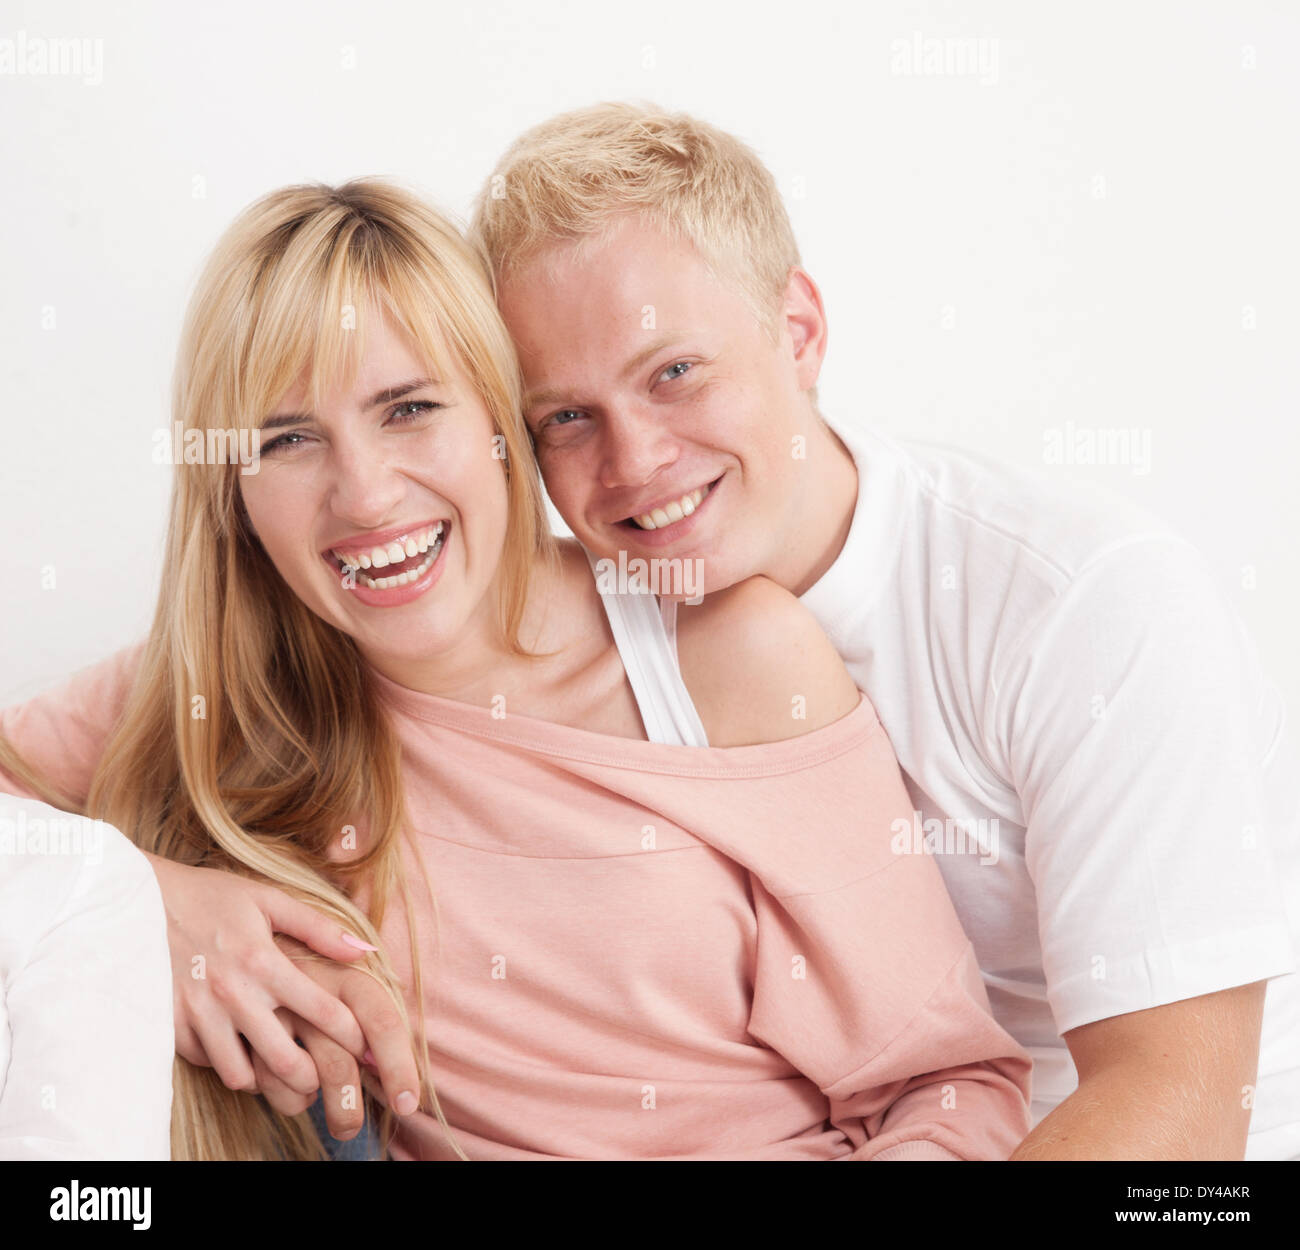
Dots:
pixel 669 510
pixel 674 531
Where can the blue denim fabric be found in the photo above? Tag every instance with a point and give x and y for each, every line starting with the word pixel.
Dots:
pixel 364 1146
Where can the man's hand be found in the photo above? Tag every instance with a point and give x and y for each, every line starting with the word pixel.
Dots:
pixel 231 982
pixel 1166 1083
pixel 339 1075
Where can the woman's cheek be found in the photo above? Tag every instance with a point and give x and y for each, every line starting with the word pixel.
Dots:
pixel 271 515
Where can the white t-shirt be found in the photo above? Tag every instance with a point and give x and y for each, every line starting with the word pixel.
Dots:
pixel 1066 686
pixel 86 1027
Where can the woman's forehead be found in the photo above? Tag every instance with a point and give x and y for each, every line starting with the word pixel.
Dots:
pixel 389 360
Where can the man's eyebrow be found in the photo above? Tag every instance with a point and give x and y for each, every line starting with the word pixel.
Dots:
pixel 550 395
pixel 659 344
pixel 386 396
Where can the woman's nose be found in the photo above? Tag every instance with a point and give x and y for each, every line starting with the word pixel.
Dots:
pixel 366 488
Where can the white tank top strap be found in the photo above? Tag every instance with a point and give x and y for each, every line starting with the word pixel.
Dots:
pixel 645 633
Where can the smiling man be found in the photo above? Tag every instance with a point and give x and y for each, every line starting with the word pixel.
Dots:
pixel 1053 666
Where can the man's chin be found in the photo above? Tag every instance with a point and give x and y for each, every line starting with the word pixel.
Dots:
pixel 682 573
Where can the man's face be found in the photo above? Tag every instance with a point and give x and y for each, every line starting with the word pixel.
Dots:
pixel 666 419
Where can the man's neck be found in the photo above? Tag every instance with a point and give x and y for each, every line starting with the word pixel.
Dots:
pixel 822 513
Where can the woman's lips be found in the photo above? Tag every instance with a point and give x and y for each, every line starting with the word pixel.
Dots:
pixel 411 577
pixel 394 547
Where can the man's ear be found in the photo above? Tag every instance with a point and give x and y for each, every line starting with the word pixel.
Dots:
pixel 804 319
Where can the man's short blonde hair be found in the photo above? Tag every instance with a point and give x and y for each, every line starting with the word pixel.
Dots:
pixel 572 177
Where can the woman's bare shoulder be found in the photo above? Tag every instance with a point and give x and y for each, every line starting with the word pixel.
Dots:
pixel 758 666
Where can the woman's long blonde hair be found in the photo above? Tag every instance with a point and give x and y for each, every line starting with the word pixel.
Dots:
pixel 292 745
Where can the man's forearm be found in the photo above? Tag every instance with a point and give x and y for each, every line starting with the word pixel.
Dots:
pixel 1167 1082
pixel 1127 1113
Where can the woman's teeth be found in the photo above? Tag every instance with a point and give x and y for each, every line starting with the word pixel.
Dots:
pixel 672 512
pixel 404 548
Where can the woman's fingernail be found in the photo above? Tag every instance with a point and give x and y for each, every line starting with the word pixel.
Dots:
pixel 405 1103
pixel 358 943
pixel 369 1057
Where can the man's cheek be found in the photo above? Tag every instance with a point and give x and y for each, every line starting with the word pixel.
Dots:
pixel 560 484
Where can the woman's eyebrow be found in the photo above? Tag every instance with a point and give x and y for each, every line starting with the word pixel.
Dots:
pixel 390 393
pixel 286 418
pixel 386 396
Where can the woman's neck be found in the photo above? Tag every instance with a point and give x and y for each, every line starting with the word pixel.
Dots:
pixel 480 665
pixel 571 674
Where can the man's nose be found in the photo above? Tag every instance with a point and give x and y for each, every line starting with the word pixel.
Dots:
pixel 638 443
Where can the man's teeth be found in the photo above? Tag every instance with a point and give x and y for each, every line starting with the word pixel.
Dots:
pixel 403 548
pixel 672 512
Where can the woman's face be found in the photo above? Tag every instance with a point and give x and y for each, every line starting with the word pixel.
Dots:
pixel 385 509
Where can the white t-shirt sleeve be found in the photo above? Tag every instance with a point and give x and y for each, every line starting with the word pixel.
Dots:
pixel 86 1030
pixel 1129 717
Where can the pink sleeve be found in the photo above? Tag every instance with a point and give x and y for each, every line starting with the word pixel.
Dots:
pixel 867 983
pixel 970 1098
pixel 61 734
pixel 938 1079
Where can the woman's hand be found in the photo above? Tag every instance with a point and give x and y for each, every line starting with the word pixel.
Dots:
pixel 230 978
pixel 341 1079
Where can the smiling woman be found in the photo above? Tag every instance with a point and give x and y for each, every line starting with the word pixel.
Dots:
pixel 595 921
pixel 248 735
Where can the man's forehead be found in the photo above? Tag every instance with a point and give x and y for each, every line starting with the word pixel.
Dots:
pixel 630 260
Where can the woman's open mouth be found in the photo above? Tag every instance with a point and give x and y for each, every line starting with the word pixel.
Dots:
pixel 407 557
pixel 409 562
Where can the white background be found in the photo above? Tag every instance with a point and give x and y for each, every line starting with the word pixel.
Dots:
pixel 1083 235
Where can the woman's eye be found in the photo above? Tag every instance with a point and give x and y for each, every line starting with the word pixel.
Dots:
pixel 283 441
pixel 676 369
pixel 411 409
pixel 405 413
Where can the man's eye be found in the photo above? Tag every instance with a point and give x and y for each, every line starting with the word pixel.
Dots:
pixel 564 417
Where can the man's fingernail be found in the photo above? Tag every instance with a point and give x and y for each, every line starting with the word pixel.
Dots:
pixel 357 942
pixel 405 1103
pixel 369 1057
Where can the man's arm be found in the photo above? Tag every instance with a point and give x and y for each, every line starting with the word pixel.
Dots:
pixel 87 1072
pixel 1166 1083
pixel 1147 750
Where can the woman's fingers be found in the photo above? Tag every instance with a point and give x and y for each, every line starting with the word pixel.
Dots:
pixel 223 1047
pixel 190 1048
pixel 293 986
pixel 340 1082
pixel 285 1100
pixel 388 1038
pixel 309 926
pixel 380 1022
pixel 272 1044
pixel 231 975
